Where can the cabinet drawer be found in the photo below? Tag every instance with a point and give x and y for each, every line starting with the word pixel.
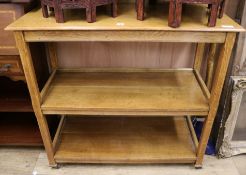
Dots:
pixel 10 65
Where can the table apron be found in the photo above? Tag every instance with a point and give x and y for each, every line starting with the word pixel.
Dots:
pixel 125 36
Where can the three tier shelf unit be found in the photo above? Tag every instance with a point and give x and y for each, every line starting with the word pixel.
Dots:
pixel 125 115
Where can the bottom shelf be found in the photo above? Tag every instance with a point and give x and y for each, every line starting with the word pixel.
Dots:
pixel 125 140
pixel 19 129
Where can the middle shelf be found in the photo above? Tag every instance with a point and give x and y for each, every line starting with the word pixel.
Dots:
pixel 132 92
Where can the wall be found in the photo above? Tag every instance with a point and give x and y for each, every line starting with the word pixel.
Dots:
pixel 108 54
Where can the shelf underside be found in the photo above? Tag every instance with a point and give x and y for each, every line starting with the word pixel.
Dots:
pixel 125 140
pixel 174 92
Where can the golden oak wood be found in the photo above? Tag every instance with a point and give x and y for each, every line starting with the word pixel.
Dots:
pixel 219 78
pixel 192 131
pixel 122 35
pixel 52 55
pixel 57 139
pixel 125 92
pixel 122 92
pixel 27 64
pixel 47 85
pixel 199 56
pixel 202 84
pixel 125 140
pixel 211 65
pixel 194 20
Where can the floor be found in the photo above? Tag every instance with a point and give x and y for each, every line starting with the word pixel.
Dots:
pixel 26 161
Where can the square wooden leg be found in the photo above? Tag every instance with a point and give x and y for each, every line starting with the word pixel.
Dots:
pixel 175 13
pixel 140 10
pixel 88 15
pixel 213 15
pixel 91 14
pixel 59 14
pixel 44 10
pixel 222 8
pixel 114 9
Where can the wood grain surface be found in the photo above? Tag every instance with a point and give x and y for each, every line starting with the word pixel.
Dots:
pixel 145 92
pixel 125 140
pixel 194 19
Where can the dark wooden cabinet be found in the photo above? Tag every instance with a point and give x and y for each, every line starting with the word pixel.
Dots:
pixel 18 124
pixel 8 13
pixel 10 10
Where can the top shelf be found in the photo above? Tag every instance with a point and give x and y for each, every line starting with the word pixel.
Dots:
pixel 194 19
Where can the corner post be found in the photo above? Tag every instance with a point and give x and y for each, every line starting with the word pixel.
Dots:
pixel 221 70
pixel 32 84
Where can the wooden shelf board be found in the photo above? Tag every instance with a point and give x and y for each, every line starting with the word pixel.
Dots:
pixel 161 92
pixel 194 19
pixel 125 140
